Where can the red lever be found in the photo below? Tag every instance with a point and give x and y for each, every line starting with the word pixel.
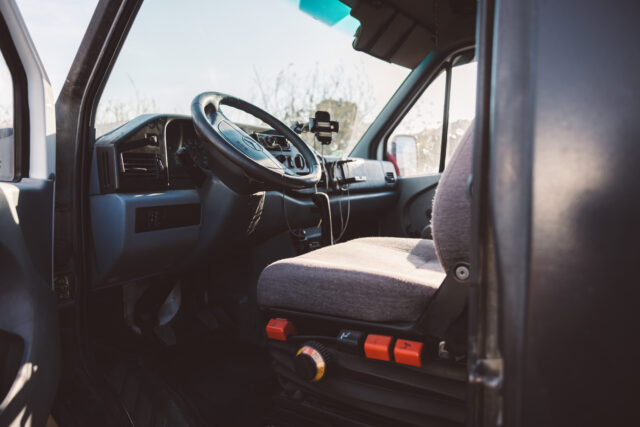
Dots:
pixel 377 347
pixel 279 329
pixel 408 352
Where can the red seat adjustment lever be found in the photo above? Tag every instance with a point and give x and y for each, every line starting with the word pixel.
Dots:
pixel 280 329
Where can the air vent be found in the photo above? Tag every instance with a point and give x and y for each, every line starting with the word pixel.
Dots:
pixel 106 169
pixel 105 164
pixel 146 165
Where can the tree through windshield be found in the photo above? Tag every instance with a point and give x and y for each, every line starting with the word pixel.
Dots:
pixel 290 64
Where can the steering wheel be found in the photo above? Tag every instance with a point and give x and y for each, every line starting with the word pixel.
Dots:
pixel 239 160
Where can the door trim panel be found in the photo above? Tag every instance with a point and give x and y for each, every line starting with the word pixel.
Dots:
pixel 29 309
pixel 401 221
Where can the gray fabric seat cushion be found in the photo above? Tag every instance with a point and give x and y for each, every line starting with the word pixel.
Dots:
pixel 378 279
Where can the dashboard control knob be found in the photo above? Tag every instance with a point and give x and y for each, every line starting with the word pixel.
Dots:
pixel 311 361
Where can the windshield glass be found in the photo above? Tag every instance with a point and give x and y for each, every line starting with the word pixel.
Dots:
pixel 274 54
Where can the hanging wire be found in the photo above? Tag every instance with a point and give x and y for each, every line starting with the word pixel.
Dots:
pixel 284 204
pixel 286 218
pixel 343 224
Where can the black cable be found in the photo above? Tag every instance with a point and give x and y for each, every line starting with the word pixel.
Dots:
pixel 343 224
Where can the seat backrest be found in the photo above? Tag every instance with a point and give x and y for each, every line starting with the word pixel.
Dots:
pixel 451 219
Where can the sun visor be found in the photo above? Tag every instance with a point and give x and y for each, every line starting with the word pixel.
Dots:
pixel 404 32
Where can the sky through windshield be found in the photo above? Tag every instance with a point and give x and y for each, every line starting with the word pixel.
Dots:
pixel 267 52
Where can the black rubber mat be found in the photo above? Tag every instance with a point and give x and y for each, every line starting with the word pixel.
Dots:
pixel 226 386
pixel 146 398
pixel 201 384
pixel 208 378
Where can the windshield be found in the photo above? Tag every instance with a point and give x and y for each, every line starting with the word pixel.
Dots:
pixel 270 53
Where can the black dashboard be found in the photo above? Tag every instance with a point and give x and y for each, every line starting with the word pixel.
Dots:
pixel 150 217
pixel 142 154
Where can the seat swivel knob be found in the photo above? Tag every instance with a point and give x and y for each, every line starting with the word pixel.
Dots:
pixel 311 361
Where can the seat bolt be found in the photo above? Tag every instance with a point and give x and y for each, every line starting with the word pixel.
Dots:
pixel 462 272
pixel 443 353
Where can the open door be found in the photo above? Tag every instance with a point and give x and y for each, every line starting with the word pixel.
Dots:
pixel 29 335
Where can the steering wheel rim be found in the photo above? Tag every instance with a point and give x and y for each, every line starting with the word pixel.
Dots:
pixel 260 168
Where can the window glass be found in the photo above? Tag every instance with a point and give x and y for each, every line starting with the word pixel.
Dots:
pixel 414 146
pixel 289 64
pixel 6 123
pixel 56 28
pixel 462 104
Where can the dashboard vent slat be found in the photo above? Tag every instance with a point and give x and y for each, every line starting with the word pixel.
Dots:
pixel 106 173
pixel 141 165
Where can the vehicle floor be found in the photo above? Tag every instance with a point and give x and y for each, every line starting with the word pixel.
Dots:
pixel 225 386
pixel 207 378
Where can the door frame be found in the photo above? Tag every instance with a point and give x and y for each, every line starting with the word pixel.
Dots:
pixel 75 114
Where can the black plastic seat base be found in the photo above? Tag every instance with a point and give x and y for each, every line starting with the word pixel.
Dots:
pixel 357 388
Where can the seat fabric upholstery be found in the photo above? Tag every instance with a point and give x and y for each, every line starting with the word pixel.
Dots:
pixel 378 279
pixel 451 222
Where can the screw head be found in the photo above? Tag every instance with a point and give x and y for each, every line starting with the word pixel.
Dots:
pixel 443 353
pixel 462 272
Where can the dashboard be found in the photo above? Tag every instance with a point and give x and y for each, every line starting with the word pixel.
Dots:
pixel 143 154
pixel 149 216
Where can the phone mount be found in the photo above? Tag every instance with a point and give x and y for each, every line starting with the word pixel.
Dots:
pixel 321 125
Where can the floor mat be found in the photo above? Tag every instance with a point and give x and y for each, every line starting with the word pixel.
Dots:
pixel 208 378
pixel 226 387
pixel 229 385
pixel 146 399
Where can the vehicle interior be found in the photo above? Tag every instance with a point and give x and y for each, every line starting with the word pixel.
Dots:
pixel 297 253
pixel 265 270
pixel 319 213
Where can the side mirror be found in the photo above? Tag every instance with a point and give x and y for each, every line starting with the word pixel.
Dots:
pixel 402 151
